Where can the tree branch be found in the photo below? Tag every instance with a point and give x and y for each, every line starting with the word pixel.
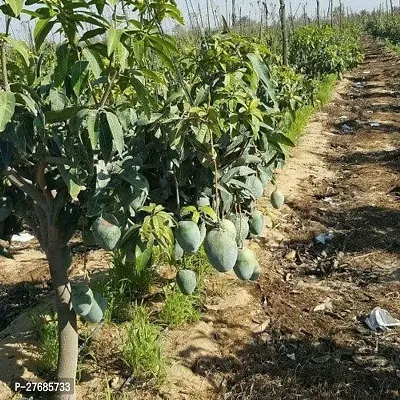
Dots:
pixel 109 88
pixel 4 56
pixel 41 180
pixel 27 187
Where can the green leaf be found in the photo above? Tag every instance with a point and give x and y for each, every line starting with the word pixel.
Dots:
pixel 79 76
pixel 143 95
pixel 94 60
pixel 114 37
pixel 61 115
pixel 263 73
pixel 143 257
pixel 207 210
pixel 123 54
pixel 7 107
pixel 116 131
pixel 61 69
pixel 93 127
pixel 16 6
pixel 42 29
pixel 58 99
pixel 20 47
pixel 73 187
pixel 93 33
pixel 105 139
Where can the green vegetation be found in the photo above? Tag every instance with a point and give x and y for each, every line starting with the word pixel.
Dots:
pixel 179 309
pixel 385 27
pixel 142 347
pixel 147 143
pixel 321 51
pixel 45 328
pixel 324 89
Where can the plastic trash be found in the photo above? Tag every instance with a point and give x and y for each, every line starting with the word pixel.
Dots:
pixel 346 128
pixel 380 318
pixel 323 238
pixel 374 124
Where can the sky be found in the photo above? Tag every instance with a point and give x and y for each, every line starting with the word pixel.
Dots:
pixel 248 8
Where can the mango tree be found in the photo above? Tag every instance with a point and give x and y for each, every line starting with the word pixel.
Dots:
pixel 67 112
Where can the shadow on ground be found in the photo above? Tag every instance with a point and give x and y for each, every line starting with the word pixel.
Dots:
pixel 284 368
pixel 388 158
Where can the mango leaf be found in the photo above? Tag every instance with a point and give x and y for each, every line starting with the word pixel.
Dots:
pixel 236 172
pixel 58 99
pixel 79 76
pixel 209 212
pixel 114 37
pixel 28 101
pixel 16 6
pixel 94 60
pixel 105 138
pixel 174 13
pixel 16 135
pixel 93 127
pixel 61 115
pixel 61 69
pixel 92 33
pixel 7 107
pixel 70 178
pixel 116 131
pixel 263 73
pixel 19 47
pixel 143 257
pixel 143 96
pixel 42 29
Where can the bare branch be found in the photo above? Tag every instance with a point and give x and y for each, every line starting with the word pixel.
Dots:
pixel 27 187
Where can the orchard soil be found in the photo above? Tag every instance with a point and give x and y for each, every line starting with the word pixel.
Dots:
pixel 298 333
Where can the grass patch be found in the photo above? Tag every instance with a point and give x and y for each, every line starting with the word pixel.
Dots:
pixel 302 116
pixel 179 309
pixel 126 284
pixel 142 351
pixel 46 330
pixel 325 89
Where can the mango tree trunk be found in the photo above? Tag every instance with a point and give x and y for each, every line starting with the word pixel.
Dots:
pixel 67 321
pixel 285 45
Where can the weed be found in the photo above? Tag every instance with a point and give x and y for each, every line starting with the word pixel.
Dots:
pixel 126 283
pixel 137 281
pixel 119 300
pixel 179 309
pixel 142 351
pixel 46 330
pixel 325 89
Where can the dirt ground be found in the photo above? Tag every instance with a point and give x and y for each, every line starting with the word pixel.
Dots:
pixel 298 333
